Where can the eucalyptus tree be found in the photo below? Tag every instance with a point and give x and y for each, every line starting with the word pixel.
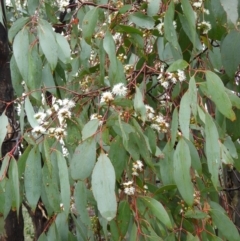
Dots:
pixel 127 119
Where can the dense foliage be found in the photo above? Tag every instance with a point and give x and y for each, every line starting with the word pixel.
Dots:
pixel 128 118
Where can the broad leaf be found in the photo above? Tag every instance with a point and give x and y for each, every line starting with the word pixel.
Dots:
pixel 212 148
pixel 83 159
pixel 185 115
pixel 223 223
pixel 33 178
pixel 89 24
pixel 181 171
pixel 217 93
pixel 103 186
pixel 47 42
pixel 158 210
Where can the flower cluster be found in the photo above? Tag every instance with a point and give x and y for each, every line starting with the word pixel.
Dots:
pixel 167 78
pixel 137 167
pixel 129 189
pixel 204 27
pixel 118 90
pixel 62 5
pixel 60 109
pixel 160 124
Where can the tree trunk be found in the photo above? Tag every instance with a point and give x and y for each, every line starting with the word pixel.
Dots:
pixel 13 225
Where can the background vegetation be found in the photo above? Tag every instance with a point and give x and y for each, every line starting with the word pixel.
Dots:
pixel 127 119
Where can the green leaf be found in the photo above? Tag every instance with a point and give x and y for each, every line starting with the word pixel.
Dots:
pixel 190 16
pixel 16 27
pixel 231 8
pixel 235 100
pixel 193 96
pixel 142 20
pixel 33 178
pixel 47 42
pixel 51 188
pixel 181 171
pixel 230 57
pixel 16 77
pixel 83 159
pixel 32 5
pixel 169 30
pixel 90 129
pixel 80 197
pixel 223 223
pixel 139 105
pixel 177 65
pixel 3 129
pixel 212 148
pixel 123 217
pixel 47 79
pixel 20 52
pixel 196 214
pixel 30 113
pixel 158 210
pixel 4 167
pixel 110 48
pixel 233 126
pixel 153 7
pixel 174 126
pixel 13 176
pixel 34 71
pixel 196 162
pixel 190 237
pixel 118 158
pixel 225 155
pixel 185 115
pixel 127 29
pixel 64 182
pixel 89 23
pixel 64 51
pixel 103 187
pixel 217 93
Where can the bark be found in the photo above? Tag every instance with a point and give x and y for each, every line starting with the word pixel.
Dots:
pixel 13 225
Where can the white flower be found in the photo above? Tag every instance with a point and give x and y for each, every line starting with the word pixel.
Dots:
pixel 206 11
pixel 40 116
pixel 204 26
pixel 129 190
pixel 181 75
pixel 140 165
pixel 49 112
pixel 197 4
pixel 134 173
pixel 119 90
pixel 59 132
pixel 174 80
pixel 94 116
pixel 160 28
pixel 165 84
pixel 39 130
pixel 64 113
pixel 129 183
pixel 69 104
pixel 150 112
pixel 106 97
pixel 156 127
pixel 159 119
pixel 55 107
pixel 175 24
